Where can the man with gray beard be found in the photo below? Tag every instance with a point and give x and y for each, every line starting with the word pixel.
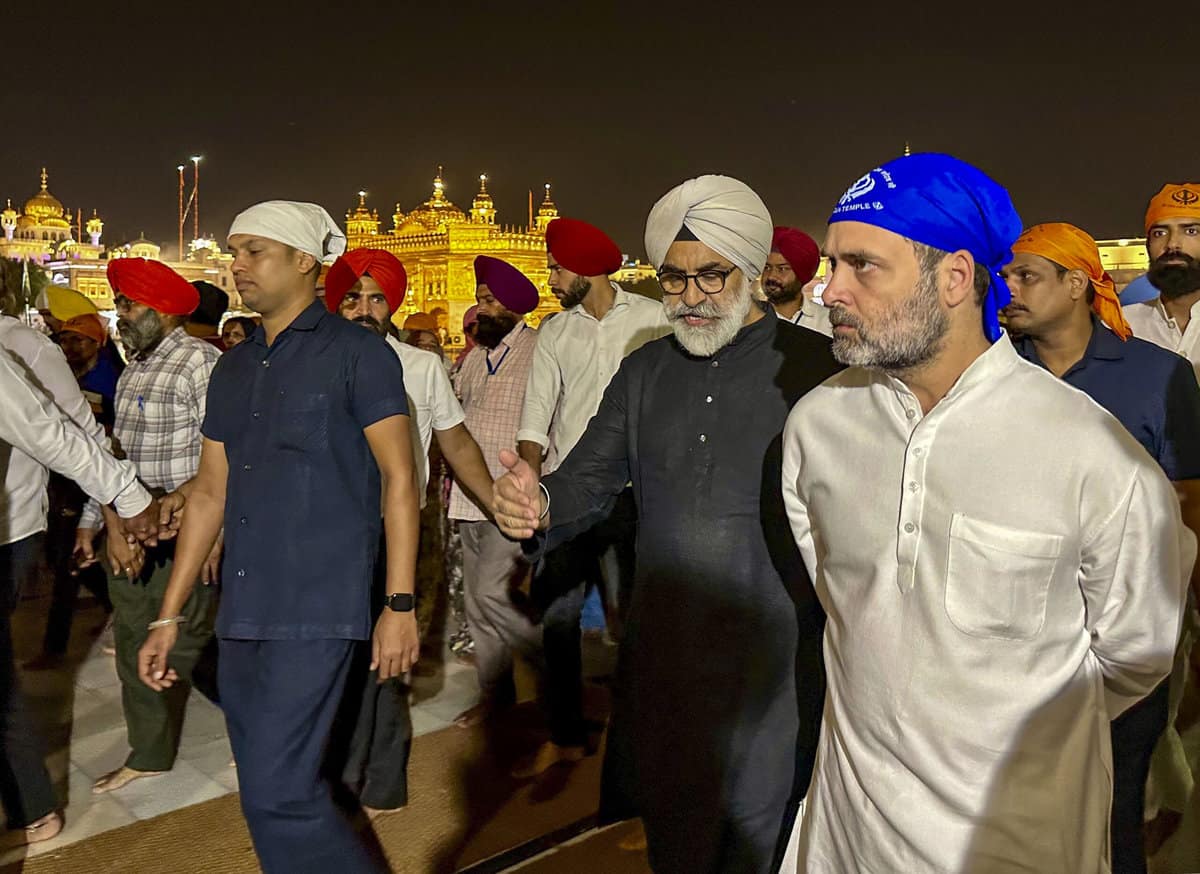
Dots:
pixel 1003 566
pixel 160 404
pixel 719 686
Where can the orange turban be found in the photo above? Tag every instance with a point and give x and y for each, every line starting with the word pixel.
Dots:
pixel 87 325
pixel 1069 247
pixel 420 321
pixel 1174 201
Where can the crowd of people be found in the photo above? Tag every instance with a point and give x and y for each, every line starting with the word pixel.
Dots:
pixel 900 560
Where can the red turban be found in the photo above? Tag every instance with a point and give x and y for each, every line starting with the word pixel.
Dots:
pixel 507 284
pixel 799 250
pixel 384 267
pixel 582 248
pixel 154 284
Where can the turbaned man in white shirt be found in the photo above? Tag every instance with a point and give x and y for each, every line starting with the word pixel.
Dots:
pixel 367 286
pixel 1003 566
pixel 576 357
pixel 36 434
pixel 787 276
pixel 1172 320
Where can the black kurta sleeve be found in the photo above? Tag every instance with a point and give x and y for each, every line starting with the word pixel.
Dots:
pixel 585 486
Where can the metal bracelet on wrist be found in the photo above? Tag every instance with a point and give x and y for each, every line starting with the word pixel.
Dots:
pixel 163 623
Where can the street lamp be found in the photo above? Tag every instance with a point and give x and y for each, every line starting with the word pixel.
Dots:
pixel 196 196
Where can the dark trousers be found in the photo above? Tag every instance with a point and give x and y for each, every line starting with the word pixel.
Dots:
pixel 560 587
pixel 66 503
pixel 154 720
pixel 1134 736
pixel 370 753
pixel 372 736
pixel 25 788
pixel 280 698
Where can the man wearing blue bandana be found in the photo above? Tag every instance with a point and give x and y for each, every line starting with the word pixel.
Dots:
pixel 987 616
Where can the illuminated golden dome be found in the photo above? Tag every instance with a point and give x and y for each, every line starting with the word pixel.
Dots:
pixel 44 205
pixel 483 209
pixel 435 213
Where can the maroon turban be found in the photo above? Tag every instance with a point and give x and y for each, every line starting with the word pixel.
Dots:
pixel 154 284
pixel 799 250
pixel 384 267
pixel 507 284
pixel 582 248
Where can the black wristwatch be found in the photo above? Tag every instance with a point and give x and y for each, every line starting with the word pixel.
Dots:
pixel 400 603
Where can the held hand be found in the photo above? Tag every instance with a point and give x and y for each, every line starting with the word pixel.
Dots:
pixel 396 646
pixel 516 498
pixel 152 658
pixel 170 515
pixel 84 551
pixel 144 526
pixel 124 557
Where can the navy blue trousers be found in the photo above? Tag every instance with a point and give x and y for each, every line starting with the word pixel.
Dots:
pixel 280 698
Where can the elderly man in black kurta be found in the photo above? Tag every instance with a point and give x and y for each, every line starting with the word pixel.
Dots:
pixel 720 680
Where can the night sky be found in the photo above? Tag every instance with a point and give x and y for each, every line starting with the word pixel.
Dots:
pixel 1082 118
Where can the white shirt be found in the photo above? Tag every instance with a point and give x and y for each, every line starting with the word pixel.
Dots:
pixel 1150 322
pixel 23 502
pixel 431 402
pixel 35 434
pixel 811 315
pixel 1002 577
pixel 576 357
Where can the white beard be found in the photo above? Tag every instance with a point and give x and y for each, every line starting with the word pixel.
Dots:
pixel 707 340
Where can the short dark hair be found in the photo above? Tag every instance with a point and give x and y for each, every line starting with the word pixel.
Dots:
pixel 248 324
pixel 928 259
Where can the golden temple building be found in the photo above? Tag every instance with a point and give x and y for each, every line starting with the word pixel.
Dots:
pixel 43 232
pixel 437 242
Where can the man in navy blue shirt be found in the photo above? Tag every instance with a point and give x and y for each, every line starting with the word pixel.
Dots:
pixel 1062 301
pixel 307 426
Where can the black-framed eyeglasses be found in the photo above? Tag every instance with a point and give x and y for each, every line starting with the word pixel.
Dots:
pixel 711 281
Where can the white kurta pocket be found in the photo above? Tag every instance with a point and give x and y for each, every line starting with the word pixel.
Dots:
pixel 998 578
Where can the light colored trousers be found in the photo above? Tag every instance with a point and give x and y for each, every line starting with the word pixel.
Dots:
pixel 494 571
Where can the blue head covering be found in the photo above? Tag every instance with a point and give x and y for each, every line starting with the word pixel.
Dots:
pixel 945 203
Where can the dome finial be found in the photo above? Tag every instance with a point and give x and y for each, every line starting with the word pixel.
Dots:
pixel 45 178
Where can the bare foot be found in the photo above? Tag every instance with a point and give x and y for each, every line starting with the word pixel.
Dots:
pixel 547 756
pixel 37 831
pixel 373 813
pixel 120 777
pixel 635 841
pixel 472 716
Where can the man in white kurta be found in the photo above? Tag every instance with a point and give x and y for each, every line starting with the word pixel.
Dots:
pixel 1002 565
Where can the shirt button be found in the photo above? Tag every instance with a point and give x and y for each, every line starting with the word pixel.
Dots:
pixel 241 572
pixel 266 363
pixel 918 451
pixel 242 520
pixel 255 414
pixel 912 487
pixel 708 400
pixel 910 413
pixel 716 364
pixel 909 528
pixel 703 438
pixel 245 467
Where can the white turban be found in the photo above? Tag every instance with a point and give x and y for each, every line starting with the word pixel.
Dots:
pixel 303 226
pixel 721 212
